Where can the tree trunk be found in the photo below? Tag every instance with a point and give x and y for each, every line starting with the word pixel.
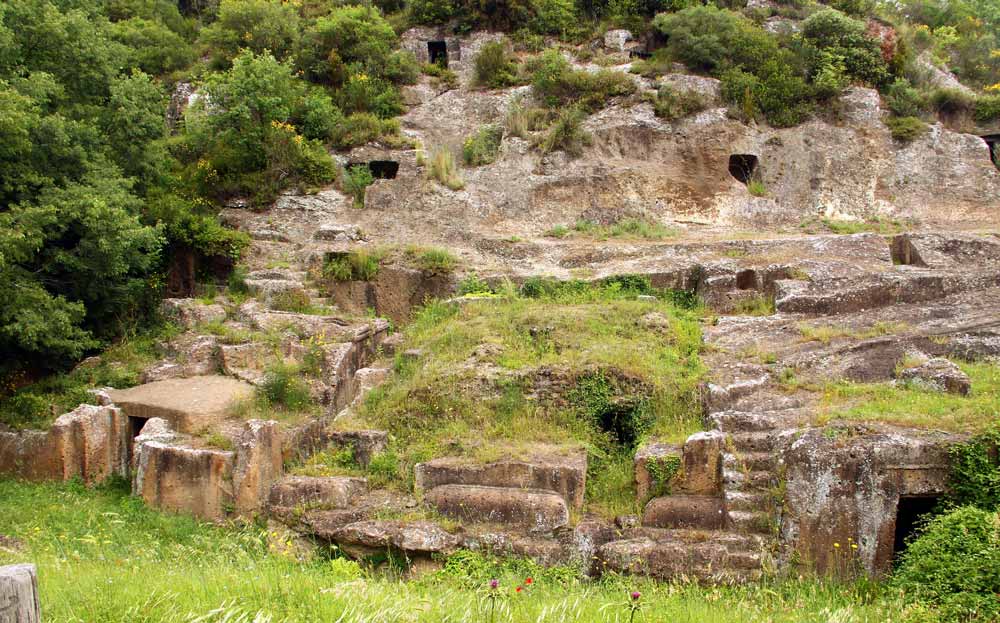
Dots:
pixel 19 595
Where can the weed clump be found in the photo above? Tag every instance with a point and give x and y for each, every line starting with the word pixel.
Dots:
pixel 360 265
pixel 483 147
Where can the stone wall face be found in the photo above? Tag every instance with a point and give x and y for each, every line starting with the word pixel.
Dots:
pixel 90 443
pixel 843 487
pixel 183 479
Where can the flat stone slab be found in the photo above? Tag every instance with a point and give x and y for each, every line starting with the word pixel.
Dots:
pixel 533 509
pixel 188 404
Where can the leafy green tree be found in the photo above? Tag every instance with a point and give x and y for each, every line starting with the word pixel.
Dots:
pixel 153 48
pixel 256 25
pixel 349 35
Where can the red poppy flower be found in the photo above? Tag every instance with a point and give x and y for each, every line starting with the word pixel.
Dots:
pixel 517 590
pixel 528 581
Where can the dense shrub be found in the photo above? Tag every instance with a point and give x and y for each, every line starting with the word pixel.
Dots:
pixel 987 109
pixel 906 129
pixel 955 565
pixel 567 133
pixel 975 472
pixel 952 102
pixel 556 83
pixel 840 41
pixel 354 181
pixel 432 11
pixel 360 128
pixel 256 25
pixel 554 17
pixel 153 48
pixel 248 140
pixel 494 67
pixel 709 39
pixel 357 265
pixel 671 104
pixel 351 39
pixel 903 100
pixel 483 147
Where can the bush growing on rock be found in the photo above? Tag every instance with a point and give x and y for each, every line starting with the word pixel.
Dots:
pixel 556 83
pixel 432 11
pixel 955 565
pixel 494 67
pixel 567 133
pixel 255 25
pixel 483 147
pixel 671 104
pixel 554 17
pixel 906 129
pixel 353 37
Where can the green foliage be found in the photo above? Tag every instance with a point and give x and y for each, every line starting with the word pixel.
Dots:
pixel 247 138
pixel 442 168
pixel 567 133
pixel 432 11
pixel 494 66
pixel 432 260
pixel 955 565
pixel 260 26
pixel 662 472
pixel 361 128
pixel 283 387
pixel 359 265
pixel 554 17
pixel 483 147
pixel 557 84
pixel 131 563
pixel 36 405
pixel 351 39
pixel 906 129
pixel 473 284
pixel 354 180
pixel 975 472
pixel 903 100
pixel 987 109
pixel 153 48
pixel 952 102
pixel 671 104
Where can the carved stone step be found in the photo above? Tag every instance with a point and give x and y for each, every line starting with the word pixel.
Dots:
pixel 748 481
pixel 747 501
pixel 305 492
pixel 564 474
pixel 763 441
pixel 750 521
pixel 708 561
pixel 685 511
pixel 752 461
pixel 534 509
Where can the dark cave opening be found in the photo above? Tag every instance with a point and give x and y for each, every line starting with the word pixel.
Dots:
pixel 910 513
pixel 380 169
pixel 746 280
pixel 743 167
pixel 135 426
pixel 993 141
pixel 438 52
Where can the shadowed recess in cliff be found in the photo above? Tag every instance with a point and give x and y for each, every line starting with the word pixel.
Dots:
pixel 911 514
pixel 743 167
pixel 438 52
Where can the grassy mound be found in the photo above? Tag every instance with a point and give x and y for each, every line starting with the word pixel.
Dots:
pixel 567 366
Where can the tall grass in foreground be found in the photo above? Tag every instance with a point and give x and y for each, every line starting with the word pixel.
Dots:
pixel 103 557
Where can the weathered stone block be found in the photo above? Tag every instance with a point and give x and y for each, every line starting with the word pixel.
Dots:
pixel 685 511
pixel 316 492
pixel 562 474
pixel 19 602
pixel 536 510
pixel 651 460
pixel 258 464
pixel 183 479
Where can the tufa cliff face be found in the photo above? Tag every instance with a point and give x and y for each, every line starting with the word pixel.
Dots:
pixel 843 164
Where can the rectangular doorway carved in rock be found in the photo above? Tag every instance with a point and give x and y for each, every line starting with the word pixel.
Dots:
pixel 438 53
pixel 911 513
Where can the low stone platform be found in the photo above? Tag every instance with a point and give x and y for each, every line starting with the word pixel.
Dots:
pixel 187 404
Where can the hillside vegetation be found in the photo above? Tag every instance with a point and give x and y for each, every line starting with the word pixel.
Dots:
pixel 99 197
